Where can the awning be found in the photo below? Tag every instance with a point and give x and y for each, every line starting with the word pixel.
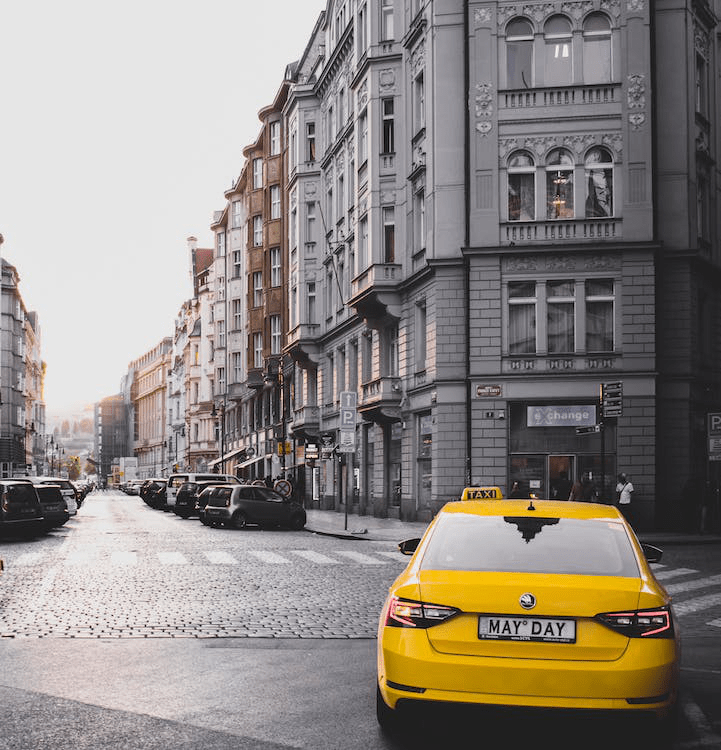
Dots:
pixel 226 457
pixel 251 461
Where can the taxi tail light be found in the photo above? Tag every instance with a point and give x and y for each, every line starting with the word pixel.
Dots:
pixel 642 623
pixel 405 613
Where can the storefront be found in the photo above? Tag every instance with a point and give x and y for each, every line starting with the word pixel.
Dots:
pixel 553 445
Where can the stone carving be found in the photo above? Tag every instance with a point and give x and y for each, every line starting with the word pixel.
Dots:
pixel 636 6
pixel 701 41
pixel 311 188
pixel 520 264
pixel 561 263
pixel 482 16
pixel 363 94
pixel 601 263
pixel 636 91
pixel 418 59
pixel 538 12
pixel 484 108
pixel 637 120
pixel 576 10
pixel 387 79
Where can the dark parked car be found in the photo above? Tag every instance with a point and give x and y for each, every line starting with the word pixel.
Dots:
pixel 20 507
pixel 152 492
pixel 55 509
pixel 66 487
pixel 188 497
pixel 228 505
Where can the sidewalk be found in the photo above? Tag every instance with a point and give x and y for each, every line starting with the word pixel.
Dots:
pixel 331 523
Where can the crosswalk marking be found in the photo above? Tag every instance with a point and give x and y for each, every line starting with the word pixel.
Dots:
pixel 359 557
pixel 393 554
pixel 315 557
pixel 267 556
pixel 124 558
pixel 664 575
pixel 218 557
pixel 697 604
pixel 172 558
pixel 80 557
pixel 696 583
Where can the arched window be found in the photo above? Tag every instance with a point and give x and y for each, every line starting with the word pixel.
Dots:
pixel 599 182
pixel 559 184
pixel 519 54
pixel 521 187
pixel 559 51
pixel 597 60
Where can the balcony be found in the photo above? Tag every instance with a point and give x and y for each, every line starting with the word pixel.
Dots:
pixel 555 98
pixel 306 422
pixel 568 230
pixel 556 363
pixel 303 346
pixel 375 293
pixel 380 400
pixel 255 379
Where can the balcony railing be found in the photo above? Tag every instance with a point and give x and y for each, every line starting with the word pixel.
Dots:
pixel 387 390
pixel 570 96
pixel 567 230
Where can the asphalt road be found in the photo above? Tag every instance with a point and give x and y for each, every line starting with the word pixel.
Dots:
pixel 131 628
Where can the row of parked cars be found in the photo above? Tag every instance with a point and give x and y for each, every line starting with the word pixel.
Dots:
pixel 35 505
pixel 222 500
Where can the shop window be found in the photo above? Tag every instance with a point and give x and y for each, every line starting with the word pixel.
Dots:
pixel 521 187
pixel 519 54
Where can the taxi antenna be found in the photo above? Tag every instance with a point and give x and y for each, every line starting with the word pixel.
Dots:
pixel 531 506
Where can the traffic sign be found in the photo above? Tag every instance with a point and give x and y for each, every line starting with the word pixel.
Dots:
pixel 588 430
pixel 612 399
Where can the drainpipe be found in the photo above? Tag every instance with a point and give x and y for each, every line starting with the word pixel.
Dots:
pixel 466 259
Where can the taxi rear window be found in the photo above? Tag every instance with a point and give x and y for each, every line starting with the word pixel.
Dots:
pixel 462 541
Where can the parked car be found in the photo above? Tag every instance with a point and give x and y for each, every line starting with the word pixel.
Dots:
pixel 175 480
pixel 237 506
pixel 152 492
pixel 66 487
pixel 187 499
pixel 529 604
pixel 55 509
pixel 20 508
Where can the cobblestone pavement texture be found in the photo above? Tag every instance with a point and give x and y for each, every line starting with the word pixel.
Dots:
pixel 122 570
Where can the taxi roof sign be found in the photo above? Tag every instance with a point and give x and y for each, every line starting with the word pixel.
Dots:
pixel 482 493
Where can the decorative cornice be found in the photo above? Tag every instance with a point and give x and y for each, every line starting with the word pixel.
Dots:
pixel 577 142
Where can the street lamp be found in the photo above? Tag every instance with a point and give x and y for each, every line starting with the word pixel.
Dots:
pixel 219 415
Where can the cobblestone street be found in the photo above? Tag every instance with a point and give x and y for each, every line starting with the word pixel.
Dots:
pixel 120 569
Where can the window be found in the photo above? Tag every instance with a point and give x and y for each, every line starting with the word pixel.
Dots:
pixel 275 266
pixel 419 103
pixel 237 215
pixel 362 244
pixel 559 51
pixel 521 187
pixel 560 316
pixel 257 230
pixel 419 219
pixel 257 288
pixel 275 201
pixel 353 366
pixel 236 263
pixel 387 20
pixel 367 356
pixel 311 302
pixel 362 31
pixel 275 334
pixel 310 223
pixel 258 350
pixel 519 54
pixel 599 183
pixel 522 317
pixel 310 141
pixel 389 233
pixel 421 333
pixel 237 367
pixel 559 185
pixel 220 244
pixel 388 126
pixel 331 125
pixel 703 228
pixel 363 137
pixel 237 314
pixel 220 380
pixel 701 85
pixel 221 334
pixel 597 63
pixel 274 138
pixel 257 173
pixel 599 315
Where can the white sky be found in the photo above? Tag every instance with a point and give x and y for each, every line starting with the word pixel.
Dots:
pixel 121 126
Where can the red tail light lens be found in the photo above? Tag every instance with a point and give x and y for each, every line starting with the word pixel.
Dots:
pixel 643 623
pixel 405 613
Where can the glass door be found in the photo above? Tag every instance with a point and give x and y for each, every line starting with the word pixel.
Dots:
pixel 561 473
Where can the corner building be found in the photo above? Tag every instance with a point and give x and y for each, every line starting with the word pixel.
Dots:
pixel 493 209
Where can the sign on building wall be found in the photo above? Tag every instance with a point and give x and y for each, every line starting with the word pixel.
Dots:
pixel 561 416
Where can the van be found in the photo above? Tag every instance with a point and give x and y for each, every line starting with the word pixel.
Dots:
pixel 175 480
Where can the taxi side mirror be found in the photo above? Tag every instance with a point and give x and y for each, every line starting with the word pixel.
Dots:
pixel 409 546
pixel 653 554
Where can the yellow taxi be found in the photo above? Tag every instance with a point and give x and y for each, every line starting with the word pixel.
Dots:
pixel 529 603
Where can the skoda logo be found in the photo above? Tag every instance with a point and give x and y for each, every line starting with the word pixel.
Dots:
pixel 527 601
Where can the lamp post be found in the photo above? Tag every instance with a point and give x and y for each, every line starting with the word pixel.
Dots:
pixel 219 415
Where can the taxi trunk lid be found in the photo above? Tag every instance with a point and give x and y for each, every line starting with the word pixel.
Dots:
pixel 559 625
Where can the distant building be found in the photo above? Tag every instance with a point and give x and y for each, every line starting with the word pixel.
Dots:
pixel 111 434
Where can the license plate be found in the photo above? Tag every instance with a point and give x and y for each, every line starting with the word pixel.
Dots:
pixel 547 630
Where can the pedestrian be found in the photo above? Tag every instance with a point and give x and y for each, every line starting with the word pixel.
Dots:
pixel 561 488
pixel 624 489
pixel 516 491
pixel 576 492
